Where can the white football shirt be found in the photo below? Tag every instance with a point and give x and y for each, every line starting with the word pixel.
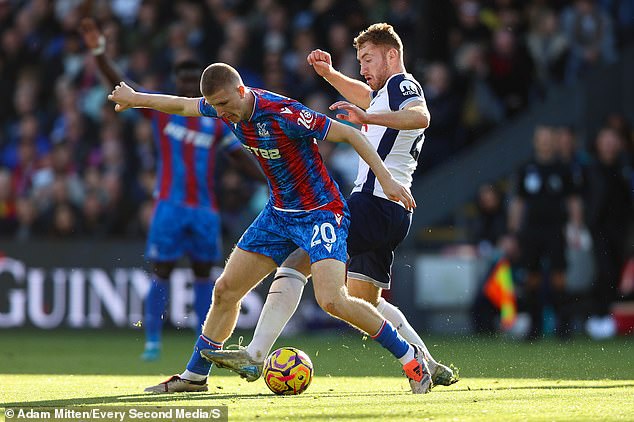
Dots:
pixel 399 149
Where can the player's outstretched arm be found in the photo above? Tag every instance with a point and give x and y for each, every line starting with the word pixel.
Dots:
pixel 394 190
pixel 353 90
pixel 126 98
pixel 415 115
pixel 96 42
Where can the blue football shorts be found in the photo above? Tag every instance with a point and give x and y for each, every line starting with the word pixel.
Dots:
pixel 178 230
pixel 321 233
pixel 377 227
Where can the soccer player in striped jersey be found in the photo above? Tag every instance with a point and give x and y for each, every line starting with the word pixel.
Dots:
pixel 305 209
pixel 186 218
pixel 391 108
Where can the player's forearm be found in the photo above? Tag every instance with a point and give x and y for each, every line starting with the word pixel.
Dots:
pixel 413 118
pixel 352 90
pixel 368 154
pixel 108 70
pixel 169 104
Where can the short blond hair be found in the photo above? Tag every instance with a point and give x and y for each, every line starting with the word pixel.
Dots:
pixel 380 34
pixel 217 76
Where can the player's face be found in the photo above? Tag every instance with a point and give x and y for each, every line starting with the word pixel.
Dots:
pixel 374 65
pixel 229 103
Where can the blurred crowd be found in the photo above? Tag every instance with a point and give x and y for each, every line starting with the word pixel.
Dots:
pixel 71 167
pixel 571 243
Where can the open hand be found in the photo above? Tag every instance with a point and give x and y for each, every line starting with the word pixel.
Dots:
pixel 124 96
pixel 398 192
pixel 320 61
pixel 355 114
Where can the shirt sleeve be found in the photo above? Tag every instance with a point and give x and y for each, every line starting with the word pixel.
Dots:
pixel 402 90
pixel 301 122
pixel 206 109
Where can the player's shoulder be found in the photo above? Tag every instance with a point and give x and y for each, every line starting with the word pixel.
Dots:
pixel 274 104
pixel 279 107
pixel 401 87
pixel 403 84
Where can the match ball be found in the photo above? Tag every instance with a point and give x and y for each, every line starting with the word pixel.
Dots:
pixel 288 371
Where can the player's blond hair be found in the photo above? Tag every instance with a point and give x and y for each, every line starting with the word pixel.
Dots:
pixel 217 76
pixel 380 34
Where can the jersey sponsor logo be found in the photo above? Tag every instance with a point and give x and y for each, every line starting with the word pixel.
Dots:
pixel 285 110
pixel 269 154
pixel 338 218
pixel 262 130
pixel 408 87
pixel 182 134
pixel 306 119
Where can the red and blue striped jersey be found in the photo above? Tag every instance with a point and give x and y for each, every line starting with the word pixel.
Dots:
pixel 187 153
pixel 282 133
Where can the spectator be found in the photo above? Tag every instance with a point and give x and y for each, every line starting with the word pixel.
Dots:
pixel 28 224
pixel 548 48
pixel 619 123
pixel 65 222
pixel 609 211
pixel 537 216
pixel 469 29
pixel 7 205
pixel 93 220
pixel 574 157
pixel 490 224
pixel 510 71
pixel 590 35
pixel 444 137
pixel 482 109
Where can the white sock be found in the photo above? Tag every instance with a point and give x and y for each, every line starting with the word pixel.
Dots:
pixel 192 376
pixel 280 305
pixel 398 320
pixel 408 356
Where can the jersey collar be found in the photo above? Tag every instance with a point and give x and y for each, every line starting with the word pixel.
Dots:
pixel 255 101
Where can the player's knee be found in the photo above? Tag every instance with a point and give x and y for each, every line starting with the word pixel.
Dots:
pixel 332 302
pixel 224 294
pixel 163 270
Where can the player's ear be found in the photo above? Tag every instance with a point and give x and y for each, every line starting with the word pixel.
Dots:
pixel 392 54
pixel 242 90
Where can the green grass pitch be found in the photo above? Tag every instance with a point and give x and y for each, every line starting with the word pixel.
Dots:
pixel 354 378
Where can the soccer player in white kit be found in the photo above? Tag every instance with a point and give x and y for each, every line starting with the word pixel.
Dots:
pixel 392 112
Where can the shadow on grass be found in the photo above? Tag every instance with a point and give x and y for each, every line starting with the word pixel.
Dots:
pixel 539 387
pixel 157 399
pixel 141 399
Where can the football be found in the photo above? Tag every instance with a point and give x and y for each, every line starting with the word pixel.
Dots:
pixel 288 371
